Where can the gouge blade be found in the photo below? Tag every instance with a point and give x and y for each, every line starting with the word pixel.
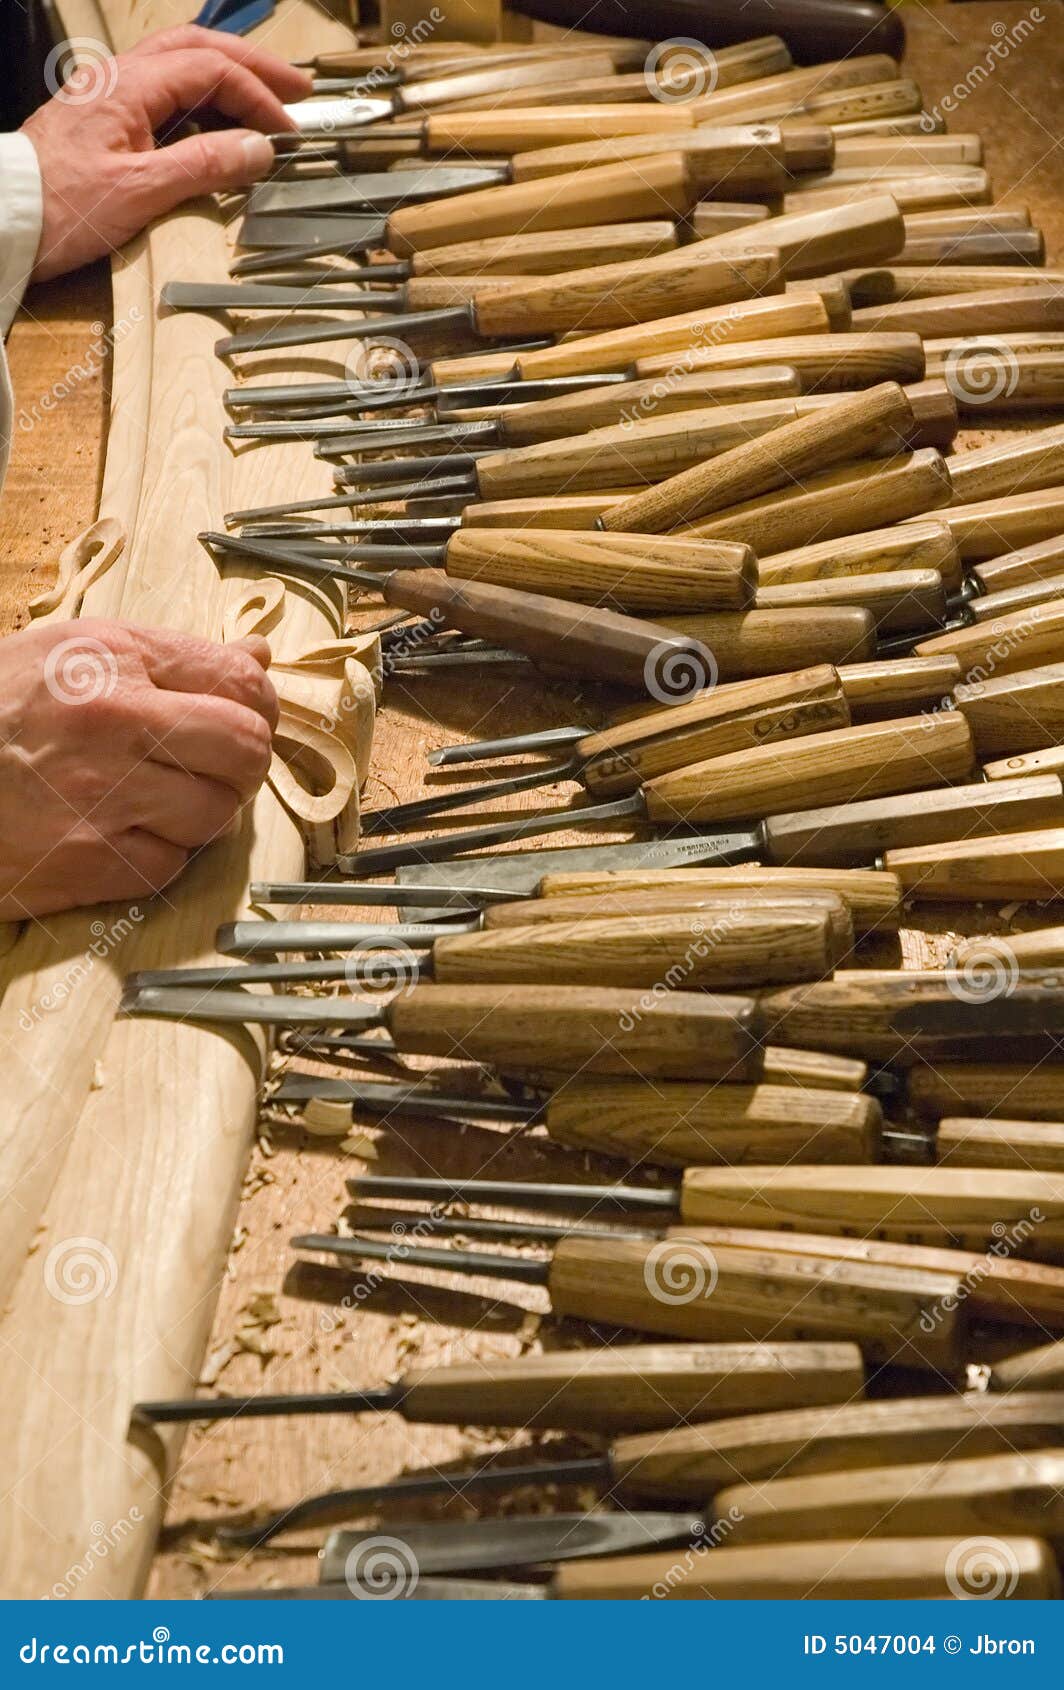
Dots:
pixel 182 1410
pixel 274 938
pixel 255 974
pixel 372 437
pixel 249 296
pixel 445 1546
pixel 517 1194
pixel 335 117
pixel 183 1003
pixel 314 234
pixel 409 1100
pixel 379 191
pixel 317 334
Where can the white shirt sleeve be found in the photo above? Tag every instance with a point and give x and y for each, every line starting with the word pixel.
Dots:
pixel 20 234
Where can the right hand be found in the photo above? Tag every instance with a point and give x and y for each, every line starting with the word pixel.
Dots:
pixel 122 750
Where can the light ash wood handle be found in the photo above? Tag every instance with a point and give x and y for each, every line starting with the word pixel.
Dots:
pixel 903 598
pixel 854 105
pixel 835 1439
pixel 610 296
pixel 571 511
pixel 588 569
pixel 771 96
pixel 675 1125
pixel 546 251
pixel 1004 644
pixel 1018 712
pixel 571 414
pixel 975 246
pixel 826 362
pixel 634 1387
pixel 986 311
pixel 706 911
pixel 988 1088
pixel 1020 464
pixel 1031 563
pixel 656 187
pixel 720 720
pixel 1040 1369
pixel 874 898
pixel 842 501
pixel 991 527
pixel 964 1141
pixel 870 760
pixel 964 1207
pixel 1013 865
pixel 726 163
pixel 816 242
pixel 766 642
pixel 744 946
pixel 856 832
pixel 916 545
pixel 785 1067
pixel 887 686
pixel 997 1494
pixel 879 1569
pixel 922 189
pixel 602 643
pixel 849 428
pixel 530 129
pixel 724 325
pixel 633 1284
pixel 681 1036
pixel 649 451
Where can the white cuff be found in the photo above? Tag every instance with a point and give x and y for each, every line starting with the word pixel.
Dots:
pixel 20 220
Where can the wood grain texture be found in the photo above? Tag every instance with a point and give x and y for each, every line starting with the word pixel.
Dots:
pixel 823 361
pixel 874 898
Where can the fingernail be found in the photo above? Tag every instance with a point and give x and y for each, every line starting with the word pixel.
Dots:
pixel 258 154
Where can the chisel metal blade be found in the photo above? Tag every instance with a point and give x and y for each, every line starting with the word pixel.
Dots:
pixel 444 1546
pixel 523 1194
pixel 317 334
pixel 274 938
pixel 408 1100
pixel 313 234
pixel 415 1590
pixel 374 191
pixel 466 901
pixel 336 117
pixel 371 437
pixel 386 471
pixel 260 263
pixel 184 1003
pixel 335 433
pixel 247 296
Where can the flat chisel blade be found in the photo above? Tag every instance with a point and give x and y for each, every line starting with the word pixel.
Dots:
pixel 333 117
pixel 322 234
pixel 439 1546
pixel 377 190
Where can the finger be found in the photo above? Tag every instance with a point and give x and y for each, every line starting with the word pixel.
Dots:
pixel 209 736
pixel 207 163
pixel 138 863
pixel 189 78
pixel 257 646
pixel 182 663
pixel 286 81
pixel 185 810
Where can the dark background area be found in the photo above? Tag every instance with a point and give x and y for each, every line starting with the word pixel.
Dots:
pixel 25 41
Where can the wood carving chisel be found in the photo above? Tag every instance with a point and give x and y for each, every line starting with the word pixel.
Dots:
pixel 882 1568
pixel 885 284
pixel 605 296
pixel 585 640
pixel 632 1388
pixel 990 247
pixel 1014 865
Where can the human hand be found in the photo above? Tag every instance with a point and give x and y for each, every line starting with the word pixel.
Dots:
pixel 122 751
pixel 103 176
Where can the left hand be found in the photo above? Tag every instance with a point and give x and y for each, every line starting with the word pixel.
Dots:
pixel 104 178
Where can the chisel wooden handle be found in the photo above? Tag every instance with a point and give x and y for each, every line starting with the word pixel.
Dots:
pixel 825 362
pixel 634 1387
pixel 720 720
pixel 722 325
pixel 546 251
pixel 874 898
pixel 880 1569
pixel 610 296
pixel 765 642
pixel 998 1089
pixel 995 1494
pixel 707 910
pixel 919 190
pixel 562 510
pixel 854 105
pixel 872 759
pixel 1042 561
pixel 883 284
pixel 727 163
pixel 772 96
pixel 1022 463
pixel 1014 865
pixel 994 526
pixel 983 312
pixel 1000 1287
pixel 817 242
pixel 682 1123
pixel 588 641
pixel 1020 640
pixel 735 947
pixel 862 830
pixel 916 545
pixel 1040 1369
pixel 654 187
pixel 846 429
pixel 838 1438
pixel 720 217
pixel 974 246
pixel 649 451
pixel 842 501
pixel 1002 1144
pixel 571 414
pixel 662 1288
pixel 1016 712
pixel 853 151
pixel 904 598
pixel 938 1206
pixel 529 128
pixel 682 1035
pixel 630 575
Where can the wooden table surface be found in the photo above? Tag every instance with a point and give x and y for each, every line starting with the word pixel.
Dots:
pixel 284 1329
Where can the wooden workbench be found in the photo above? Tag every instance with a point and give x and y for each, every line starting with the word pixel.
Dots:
pixel 289 1330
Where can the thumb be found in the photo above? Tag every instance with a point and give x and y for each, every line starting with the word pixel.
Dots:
pixel 256 647
pixel 204 164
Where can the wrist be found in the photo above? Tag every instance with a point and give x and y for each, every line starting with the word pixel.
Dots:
pixel 22 200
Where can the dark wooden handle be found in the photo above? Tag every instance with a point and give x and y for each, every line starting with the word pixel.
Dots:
pixel 766 642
